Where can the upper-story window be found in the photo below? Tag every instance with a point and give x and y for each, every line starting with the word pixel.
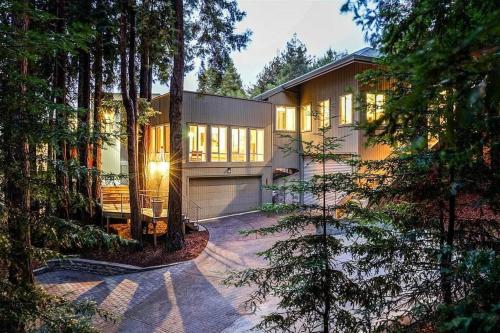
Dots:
pixel 218 151
pixel 375 106
pixel 305 118
pixel 160 142
pixel 238 144
pixel 346 114
pixel 197 143
pixel 285 118
pixel 256 145
pixel 324 113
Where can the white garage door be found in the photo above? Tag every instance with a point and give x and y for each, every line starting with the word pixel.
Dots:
pixel 225 195
pixel 311 169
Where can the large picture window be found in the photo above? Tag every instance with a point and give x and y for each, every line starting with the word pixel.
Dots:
pixel 218 152
pixel 324 113
pixel 375 106
pixel 346 114
pixel 256 145
pixel 197 143
pixel 285 118
pixel 305 118
pixel 238 144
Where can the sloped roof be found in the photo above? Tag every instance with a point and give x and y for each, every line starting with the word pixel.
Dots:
pixel 366 54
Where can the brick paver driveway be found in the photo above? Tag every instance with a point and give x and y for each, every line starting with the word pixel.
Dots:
pixel 187 297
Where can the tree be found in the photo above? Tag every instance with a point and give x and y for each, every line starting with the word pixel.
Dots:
pixel 307 269
pixel 290 63
pixel 329 57
pixel 34 226
pixel 210 28
pixel 129 96
pixel 227 83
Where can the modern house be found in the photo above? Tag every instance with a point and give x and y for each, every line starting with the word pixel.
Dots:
pixel 231 146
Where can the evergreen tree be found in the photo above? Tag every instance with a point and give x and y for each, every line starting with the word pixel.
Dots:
pixel 227 83
pixel 329 56
pixel 35 165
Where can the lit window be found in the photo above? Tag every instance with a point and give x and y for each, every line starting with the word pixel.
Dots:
pixel 324 113
pixel 238 144
pixel 256 145
pixel 375 106
pixel 160 142
pixel 285 118
pixel 197 143
pixel 346 109
pixel 219 144
pixel 305 118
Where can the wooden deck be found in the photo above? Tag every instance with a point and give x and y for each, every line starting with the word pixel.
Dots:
pixel 122 211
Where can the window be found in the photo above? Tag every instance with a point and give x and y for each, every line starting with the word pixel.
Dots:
pixel 159 143
pixel 375 106
pixel 239 145
pixel 158 139
pixel 324 113
pixel 346 110
pixel 219 144
pixel 256 145
pixel 285 118
pixel 305 118
pixel 197 143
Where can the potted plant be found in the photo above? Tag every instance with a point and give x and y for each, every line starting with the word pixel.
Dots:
pixel 157 200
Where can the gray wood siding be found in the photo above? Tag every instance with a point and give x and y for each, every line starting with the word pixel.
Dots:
pixel 218 110
pixel 280 159
pixel 332 86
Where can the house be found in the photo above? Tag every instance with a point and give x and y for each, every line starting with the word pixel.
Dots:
pixel 231 146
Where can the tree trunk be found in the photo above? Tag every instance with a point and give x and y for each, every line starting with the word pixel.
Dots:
pixel 143 93
pixel 175 236
pixel 98 95
pixel 130 103
pixel 62 180
pixel 17 192
pixel 84 184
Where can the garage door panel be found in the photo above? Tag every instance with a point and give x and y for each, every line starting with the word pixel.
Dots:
pixel 225 195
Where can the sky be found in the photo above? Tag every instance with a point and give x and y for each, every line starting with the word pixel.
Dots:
pixel 318 24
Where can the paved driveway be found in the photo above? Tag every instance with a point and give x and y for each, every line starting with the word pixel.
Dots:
pixel 187 297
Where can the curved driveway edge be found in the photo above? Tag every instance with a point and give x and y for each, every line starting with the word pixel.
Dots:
pixel 185 297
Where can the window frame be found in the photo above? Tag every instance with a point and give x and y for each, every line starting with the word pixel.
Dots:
pixel 286 107
pixel 321 118
pixel 197 142
pixel 302 110
pixel 245 145
pixel 218 153
pixel 343 105
pixel 378 110
pixel 256 129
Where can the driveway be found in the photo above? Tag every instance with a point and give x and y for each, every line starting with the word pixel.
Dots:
pixel 187 297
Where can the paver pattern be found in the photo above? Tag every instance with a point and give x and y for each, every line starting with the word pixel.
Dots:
pixel 187 297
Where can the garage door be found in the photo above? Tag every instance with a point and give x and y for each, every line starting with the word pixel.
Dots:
pixel 311 169
pixel 225 195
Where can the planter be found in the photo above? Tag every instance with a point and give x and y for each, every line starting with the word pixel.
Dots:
pixel 157 206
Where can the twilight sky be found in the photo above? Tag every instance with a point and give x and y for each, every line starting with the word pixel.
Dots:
pixel 318 23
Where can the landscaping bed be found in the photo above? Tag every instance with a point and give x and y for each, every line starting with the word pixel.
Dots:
pixel 195 242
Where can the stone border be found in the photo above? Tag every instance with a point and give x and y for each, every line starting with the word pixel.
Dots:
pixel 98 267
pixel 95 267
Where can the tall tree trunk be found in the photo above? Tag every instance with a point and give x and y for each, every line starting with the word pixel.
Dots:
pixel 98 95
pixel 84 182
pixel 175 236
pixel 129 102
pixel 17 191
pixel 143 93
pixel 62 179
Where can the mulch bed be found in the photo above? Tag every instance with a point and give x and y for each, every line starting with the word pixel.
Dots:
pixel 195 242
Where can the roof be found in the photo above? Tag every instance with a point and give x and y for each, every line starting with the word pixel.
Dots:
pixel 366 54
pixel 212 95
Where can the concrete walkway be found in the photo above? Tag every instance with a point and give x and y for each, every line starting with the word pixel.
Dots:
pixel 187 297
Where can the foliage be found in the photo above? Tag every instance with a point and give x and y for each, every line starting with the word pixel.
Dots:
pixel 225 83
pixel 290 63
